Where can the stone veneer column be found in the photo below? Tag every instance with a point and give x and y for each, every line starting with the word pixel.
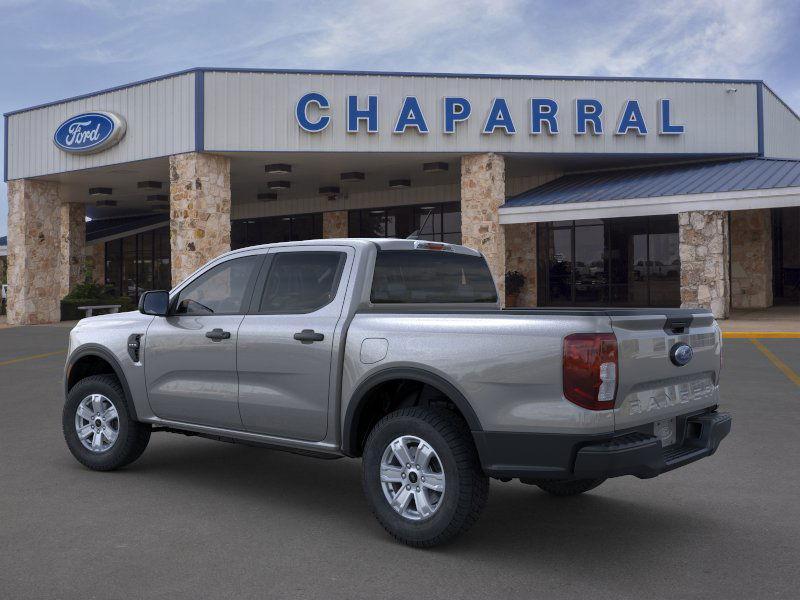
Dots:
pixel 703 247
pixel 96 256
pixel 72 254
pixel 521 256
pixel 483 191
pixel 33 252
pixel 751 258
pixel 200 210
pixel 334 224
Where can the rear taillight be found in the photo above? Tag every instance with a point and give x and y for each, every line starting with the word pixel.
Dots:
pixel 590 370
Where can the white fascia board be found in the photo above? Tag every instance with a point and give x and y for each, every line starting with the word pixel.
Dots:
pixel 656 205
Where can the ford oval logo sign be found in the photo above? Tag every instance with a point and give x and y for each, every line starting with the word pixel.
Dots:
pixel 681 354
pixel 90 132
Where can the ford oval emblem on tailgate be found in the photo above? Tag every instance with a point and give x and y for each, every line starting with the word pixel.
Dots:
pixel 681 354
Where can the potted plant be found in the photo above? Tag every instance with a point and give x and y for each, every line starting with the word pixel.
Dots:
pixel 515 281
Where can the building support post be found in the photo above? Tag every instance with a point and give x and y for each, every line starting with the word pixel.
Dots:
pixel 703 248
pixel 334 224
pixel 200 210
pixel 72 255
pixel 45 250
pixel 751 258
pixel 521 257
pixel 483 192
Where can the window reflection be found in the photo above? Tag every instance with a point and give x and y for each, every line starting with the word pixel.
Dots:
pixel 617 262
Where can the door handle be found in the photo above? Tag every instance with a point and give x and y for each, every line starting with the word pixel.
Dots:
pixel 308 336
pixel 217 335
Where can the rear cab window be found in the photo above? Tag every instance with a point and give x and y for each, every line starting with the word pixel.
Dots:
pixel 423 276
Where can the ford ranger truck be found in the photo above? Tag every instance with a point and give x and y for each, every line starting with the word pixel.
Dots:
pixel 397 352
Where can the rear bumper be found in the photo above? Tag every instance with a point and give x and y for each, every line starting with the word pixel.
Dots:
pixel 559 456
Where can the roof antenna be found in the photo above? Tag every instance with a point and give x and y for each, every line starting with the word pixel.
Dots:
pixel 415 234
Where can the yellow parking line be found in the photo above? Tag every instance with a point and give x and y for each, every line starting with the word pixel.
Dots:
pixel 749 335
pixel 779 364
pixel 32 357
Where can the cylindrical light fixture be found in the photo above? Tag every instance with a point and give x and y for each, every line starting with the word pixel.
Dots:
pixel 100 191
pixel 277 168
pixel 279 185
pixel 158 198
pixel 329 189
pixel 106 203
pixel 267 196
pixel 435 167
pixel 399 183
pixel 352 176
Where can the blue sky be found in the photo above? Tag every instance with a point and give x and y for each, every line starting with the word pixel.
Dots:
pixel 57 49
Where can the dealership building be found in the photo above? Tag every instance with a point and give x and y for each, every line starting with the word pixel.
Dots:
pixel 596 191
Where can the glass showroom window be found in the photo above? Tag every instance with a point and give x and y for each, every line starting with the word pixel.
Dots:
pixel 616 262
pixel 440 222
pixel 137 263
pixel 269 230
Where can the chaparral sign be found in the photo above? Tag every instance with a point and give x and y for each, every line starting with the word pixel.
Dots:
pixel 588 116
pixel 90 132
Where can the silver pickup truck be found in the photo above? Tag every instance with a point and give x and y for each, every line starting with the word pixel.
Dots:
pixel 397 351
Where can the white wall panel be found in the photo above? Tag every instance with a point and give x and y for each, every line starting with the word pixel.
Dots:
pixel 160 122
pixel 781 128
pixel 255 112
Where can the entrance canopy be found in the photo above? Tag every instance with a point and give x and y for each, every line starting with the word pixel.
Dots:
pixel 720 185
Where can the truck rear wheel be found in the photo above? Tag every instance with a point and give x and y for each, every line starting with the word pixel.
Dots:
pixel 422 476
pixel 571 487
pixel 98 427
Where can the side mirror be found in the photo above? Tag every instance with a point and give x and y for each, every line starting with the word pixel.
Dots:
pixel 155 302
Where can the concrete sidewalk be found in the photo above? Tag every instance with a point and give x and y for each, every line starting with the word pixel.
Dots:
pixel 769 320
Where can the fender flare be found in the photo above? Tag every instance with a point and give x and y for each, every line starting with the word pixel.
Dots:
pixel 357 400
pixel 106 355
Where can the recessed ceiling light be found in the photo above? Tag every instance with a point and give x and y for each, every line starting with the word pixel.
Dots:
pixel 352 176
pixel 158 198
pixel 106 203
pixel 279 185
pixel 435 167
pixel 399 183
pixel 329 189
pixel 149 185
pixel 159 207
pixel 278 168
pixel 100 191
pixel 267 196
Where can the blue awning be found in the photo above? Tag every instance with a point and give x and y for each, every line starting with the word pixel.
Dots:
pixel 672 180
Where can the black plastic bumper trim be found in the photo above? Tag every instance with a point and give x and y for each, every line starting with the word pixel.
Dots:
pixel 567 456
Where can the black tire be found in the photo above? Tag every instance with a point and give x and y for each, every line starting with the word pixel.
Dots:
pixel 571 487
pixel 466 486
pixel 132 437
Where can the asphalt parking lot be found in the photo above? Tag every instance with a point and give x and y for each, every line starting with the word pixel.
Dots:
pixel 200 519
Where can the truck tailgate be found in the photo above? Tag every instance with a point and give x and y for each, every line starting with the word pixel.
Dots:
pixel 651 386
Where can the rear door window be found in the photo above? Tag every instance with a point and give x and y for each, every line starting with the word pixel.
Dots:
pixel 420 276
pixel 301 282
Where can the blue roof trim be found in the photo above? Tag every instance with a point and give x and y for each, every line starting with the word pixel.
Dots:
pixel 666 180
pixel 199 110
pixel 760 117
pixel 379 73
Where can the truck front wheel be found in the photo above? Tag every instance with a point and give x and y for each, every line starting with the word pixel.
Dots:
pixel 422 476
pixel 98 427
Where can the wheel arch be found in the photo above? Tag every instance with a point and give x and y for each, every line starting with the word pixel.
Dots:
pixel 87 357
pixel 360 399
